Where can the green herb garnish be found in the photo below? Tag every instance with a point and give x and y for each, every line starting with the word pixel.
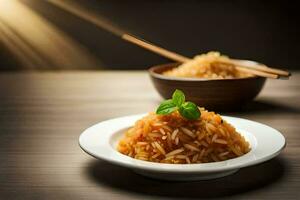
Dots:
pixel 187 109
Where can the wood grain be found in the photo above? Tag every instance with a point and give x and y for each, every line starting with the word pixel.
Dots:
pixel 43 114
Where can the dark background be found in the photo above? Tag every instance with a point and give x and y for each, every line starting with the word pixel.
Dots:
pixel 265 31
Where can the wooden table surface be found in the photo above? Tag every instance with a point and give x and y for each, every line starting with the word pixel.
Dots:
pixel 42 115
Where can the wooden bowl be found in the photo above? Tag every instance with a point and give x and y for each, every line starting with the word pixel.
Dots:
pixel 213 94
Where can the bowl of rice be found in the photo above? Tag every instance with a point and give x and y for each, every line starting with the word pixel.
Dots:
pixel 208 81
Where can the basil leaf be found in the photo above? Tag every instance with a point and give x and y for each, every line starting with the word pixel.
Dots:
pixel 178 98
pixel 166 107
pixel 189 110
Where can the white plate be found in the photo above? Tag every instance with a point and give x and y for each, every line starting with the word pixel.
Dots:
pixel 101 140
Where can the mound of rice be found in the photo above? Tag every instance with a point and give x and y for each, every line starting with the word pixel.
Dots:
pixel 174 139
pixel 210 65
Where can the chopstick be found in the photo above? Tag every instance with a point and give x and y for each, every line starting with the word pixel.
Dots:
pixel 250 69
pixel 259 67
pixel 156 49
pixel 258 70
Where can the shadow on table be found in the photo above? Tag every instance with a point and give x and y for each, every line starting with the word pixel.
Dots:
pixel 258 106
pixel 264 105
pixel 246 180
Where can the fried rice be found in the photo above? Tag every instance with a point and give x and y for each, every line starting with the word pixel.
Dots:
pixel 174 139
